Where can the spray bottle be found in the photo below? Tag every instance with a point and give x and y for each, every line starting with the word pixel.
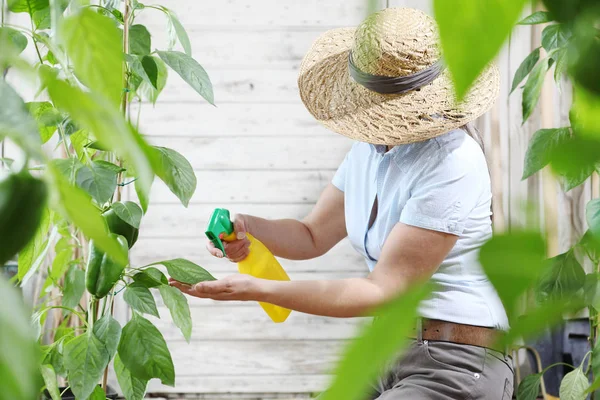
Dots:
pixel 260 263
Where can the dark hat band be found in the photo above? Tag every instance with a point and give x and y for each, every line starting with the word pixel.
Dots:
pixel 394 84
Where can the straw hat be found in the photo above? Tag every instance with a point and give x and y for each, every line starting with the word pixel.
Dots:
pixel 398 46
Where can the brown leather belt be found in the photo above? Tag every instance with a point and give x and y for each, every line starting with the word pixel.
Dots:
pixel 443 331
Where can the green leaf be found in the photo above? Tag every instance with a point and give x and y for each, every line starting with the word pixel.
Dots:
pixel 542 146
pixel 560 65
pixel 60 264
pixel 595 359
pixel 529 388
pixel 190 71
pixel 584 53
pixel 555 36
pixel 150 277
pixel 144 352
pixel 513 262
pixel 142 197
pixel 525 68
pixel 176 172
pixel 139 40
pixel 42 19
pixel 574 385
pixel 108 331
pixel 129 212
pixel 28 6
pixel 151 70
pixel 50 380
pixel 74 287
pixel 97 394
pixel 118 15
pixel 68 167
pixel 538 17
pixel 377 345
pixel 539 318
pixel 591 245
pixel 181 33
pixel 133 388
pixel 179 309
pixel 533 87
pixel 147 90
pixel 567 10
pixel 98 180
pixel 98 64
pixel 47 118
pixel 85 360
pixel 33 254
pixel 76 205
pixel 562 279
pixel 15 121
pixel 472 33
pixel 592 216
pixel 16 38
pixel 585 117
pixel 575 161
pixel 80 139
pixel 19 358
pixel 54 358
pixel 186 271
pixel 140 299
pixel 107 124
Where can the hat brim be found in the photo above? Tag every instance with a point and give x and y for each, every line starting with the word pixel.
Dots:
pixel 345 107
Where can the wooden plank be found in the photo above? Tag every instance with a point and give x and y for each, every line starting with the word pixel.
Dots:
pixel 242 187
pixel 221 322
pixel 175 221
pixel 342 258
pixel 255 358
pixel 254 48
pixel 239 385
pixel 238 86
pixel 260 153
pixel 426 6
pixel 264 13
pixel 255 119
pixel 520 192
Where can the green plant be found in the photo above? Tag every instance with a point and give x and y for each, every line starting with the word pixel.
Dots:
pixel 93 61
pixel 472 33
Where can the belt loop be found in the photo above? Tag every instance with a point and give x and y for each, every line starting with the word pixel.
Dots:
pixel 419 330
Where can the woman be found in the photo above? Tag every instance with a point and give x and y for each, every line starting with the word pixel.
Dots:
pixel 413 196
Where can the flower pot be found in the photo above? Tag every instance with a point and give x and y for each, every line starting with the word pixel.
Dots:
pixel 68 394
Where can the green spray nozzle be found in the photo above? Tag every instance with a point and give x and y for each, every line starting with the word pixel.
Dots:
pixel 220 222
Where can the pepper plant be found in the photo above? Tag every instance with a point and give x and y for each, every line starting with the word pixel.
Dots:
pixel 82 147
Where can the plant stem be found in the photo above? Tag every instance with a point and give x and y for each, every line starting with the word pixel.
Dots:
pixel 63 138
pixel 37 50
pixel 125 98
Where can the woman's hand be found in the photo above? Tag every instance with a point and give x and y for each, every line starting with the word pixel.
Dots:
pixel 237 250
pixel 234 287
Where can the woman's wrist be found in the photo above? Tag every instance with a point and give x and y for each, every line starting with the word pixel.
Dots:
pixel 263 290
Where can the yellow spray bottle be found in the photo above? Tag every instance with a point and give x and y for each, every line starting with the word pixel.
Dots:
pixel 260 263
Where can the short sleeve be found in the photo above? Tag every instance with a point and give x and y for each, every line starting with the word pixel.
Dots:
pixel 444 194
pixel 339 179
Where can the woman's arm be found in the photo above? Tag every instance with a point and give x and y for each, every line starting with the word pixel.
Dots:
pixel 322 229
pixel 410 255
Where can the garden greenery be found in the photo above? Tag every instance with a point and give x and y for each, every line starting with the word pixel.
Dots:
pixel 91 62
pixel 89 81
